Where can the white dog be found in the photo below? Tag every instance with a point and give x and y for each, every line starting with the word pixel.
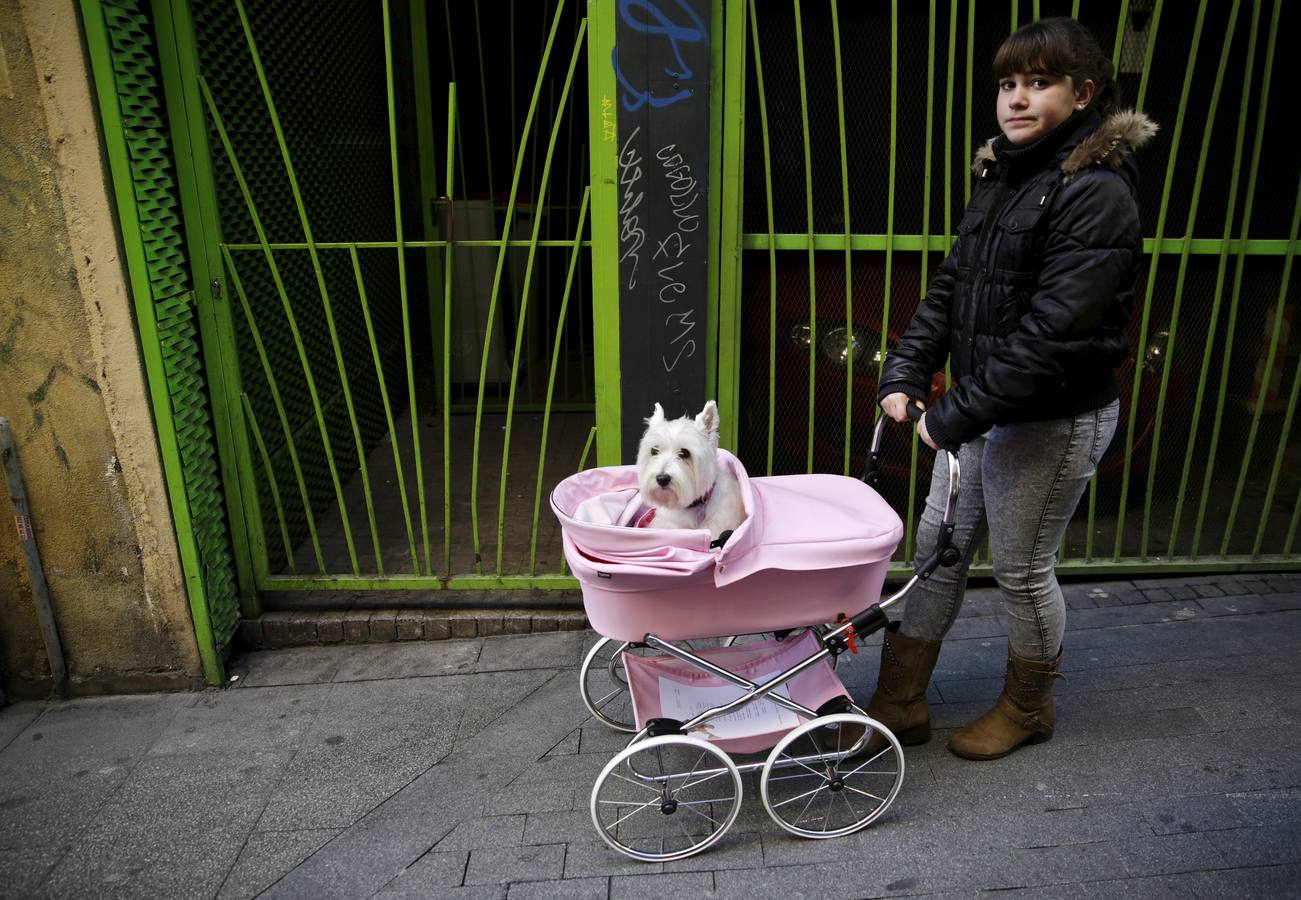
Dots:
pixel 680 478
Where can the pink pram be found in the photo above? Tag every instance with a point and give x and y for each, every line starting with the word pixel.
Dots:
pixel 813 550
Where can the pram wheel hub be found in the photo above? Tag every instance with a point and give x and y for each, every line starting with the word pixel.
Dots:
pixel 665 798
pixel 813 786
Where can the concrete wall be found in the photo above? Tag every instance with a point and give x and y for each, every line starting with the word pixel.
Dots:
pixel 72 386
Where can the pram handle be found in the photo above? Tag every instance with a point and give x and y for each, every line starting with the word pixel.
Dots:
pixel 945 553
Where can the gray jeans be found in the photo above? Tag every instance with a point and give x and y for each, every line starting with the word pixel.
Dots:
pixel 1025 478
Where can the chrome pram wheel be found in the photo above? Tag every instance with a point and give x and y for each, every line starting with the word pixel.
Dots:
pixel 666 798
pixel 603 683
pixel 813 787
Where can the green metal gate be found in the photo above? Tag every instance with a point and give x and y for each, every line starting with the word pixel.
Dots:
pixel 358 236
pixel 851 127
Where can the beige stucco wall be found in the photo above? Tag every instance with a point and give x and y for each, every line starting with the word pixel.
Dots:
pixel 72 386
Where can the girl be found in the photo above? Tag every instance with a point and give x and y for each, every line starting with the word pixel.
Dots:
pixel 1030 308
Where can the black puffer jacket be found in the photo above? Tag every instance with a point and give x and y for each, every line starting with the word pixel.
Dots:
pixel 1032 302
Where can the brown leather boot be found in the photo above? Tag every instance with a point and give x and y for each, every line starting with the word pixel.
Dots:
pixel 899 701
pixel 1023 713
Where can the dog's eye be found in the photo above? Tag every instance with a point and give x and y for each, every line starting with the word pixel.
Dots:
pixel 684 454
pixel 655 451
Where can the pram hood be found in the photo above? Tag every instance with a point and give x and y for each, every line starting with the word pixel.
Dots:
pixel 793 523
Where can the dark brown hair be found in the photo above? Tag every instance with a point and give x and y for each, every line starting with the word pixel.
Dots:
pixel 1060 46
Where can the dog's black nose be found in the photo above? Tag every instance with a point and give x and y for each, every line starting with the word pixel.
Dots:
pixel 662 480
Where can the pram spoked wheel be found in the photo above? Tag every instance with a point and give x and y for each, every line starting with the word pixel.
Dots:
pixel 665 798
pixel 813 788
pixel 603 683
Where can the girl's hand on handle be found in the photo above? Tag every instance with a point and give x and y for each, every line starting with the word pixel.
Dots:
pixel 925 435
pixel 896 405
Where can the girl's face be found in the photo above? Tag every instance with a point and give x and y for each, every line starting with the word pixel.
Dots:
pixel 1031 104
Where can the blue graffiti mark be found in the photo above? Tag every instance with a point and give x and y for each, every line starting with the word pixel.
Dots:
pixel 634 98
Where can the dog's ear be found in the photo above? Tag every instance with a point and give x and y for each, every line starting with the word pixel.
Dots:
pixel 656 417
pixel 708 420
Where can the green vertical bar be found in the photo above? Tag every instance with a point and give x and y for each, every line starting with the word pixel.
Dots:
pixel 1075 9
pixel 808 209
pixel 889 227
pixel 483 95
pixel 1156 255
pixel 1279 307
pixel 448 261
pixel 269 373
pixel 925 255
pixel 427 149
pixel 574 256
pixel 1183 265
pixel 388 407
pixel 715 257
pixel 329 313
pixel 1014 13
pixel 1120 33
pixel 496 281
pixel 732 197
pixel 271 482
pixel 971 49
pixel 1226 352
pixel 1192 444
pixel 772 244
pixel 1282 442
pixel 948 127
pixel 101 58
pixel 849 269
pixel 604 177
pixel 1147 54
pixel 178 63
pixel 539 199
pixel 416 455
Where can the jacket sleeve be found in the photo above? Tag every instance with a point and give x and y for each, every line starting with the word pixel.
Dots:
pixel 1089 258
pixel 923 348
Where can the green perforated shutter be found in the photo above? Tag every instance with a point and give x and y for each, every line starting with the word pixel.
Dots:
pixel 124 56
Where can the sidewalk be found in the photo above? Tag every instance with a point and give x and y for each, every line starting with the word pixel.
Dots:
pixel 462 768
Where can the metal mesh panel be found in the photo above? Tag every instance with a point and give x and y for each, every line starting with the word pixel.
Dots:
pixel 157 201
pixel 334 113
pixel 865 32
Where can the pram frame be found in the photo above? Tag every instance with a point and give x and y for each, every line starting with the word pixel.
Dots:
pixel 833 643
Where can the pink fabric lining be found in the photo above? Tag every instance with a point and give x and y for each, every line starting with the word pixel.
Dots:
pixel 650 678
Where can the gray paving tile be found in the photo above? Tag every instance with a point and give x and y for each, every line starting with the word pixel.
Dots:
pixel 497 865
pixel 568 889
pixel 430 874
pixel 570 826
pixel 290 665
pixel 489 831
pixel 268 855
pixel 588 858
pixel 1175 815
pixel 413 659
pixel 535 796
pixel 23 868
pixel 494 695
pixel 1258 845
pixel 465 892
pixel 1055 865
pixel 1169 854
pixel 1281 807
pixel 231 721
pixel 1277 881
pixel 371 740
pixel 734 850
pixel 653 887
pixel 556 650
pixel 16 717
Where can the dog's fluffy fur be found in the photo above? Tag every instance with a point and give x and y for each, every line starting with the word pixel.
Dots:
pixel 679 474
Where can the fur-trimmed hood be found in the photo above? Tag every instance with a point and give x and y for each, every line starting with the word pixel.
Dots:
pixel 1117 137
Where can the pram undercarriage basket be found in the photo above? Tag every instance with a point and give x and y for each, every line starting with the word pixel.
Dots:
pixel 721 661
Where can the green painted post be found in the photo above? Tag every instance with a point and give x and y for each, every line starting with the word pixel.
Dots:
pixel 604 161
pixel 808 211
pixel 772 243
pixel 97 43
pixel 849 259
pixel 730 192
pixel 178 63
